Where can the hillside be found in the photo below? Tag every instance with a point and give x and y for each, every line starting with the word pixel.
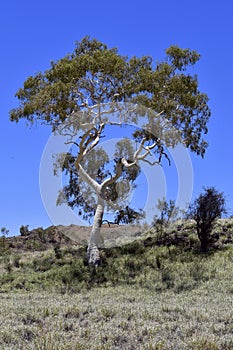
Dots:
pixel 72 235
pixel 56 256
pixel 156 293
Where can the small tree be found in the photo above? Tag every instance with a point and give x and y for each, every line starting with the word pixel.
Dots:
pixel 128 216
pixel 3 242
pixel 24 231
pixel 209 206
pixel 78 95
pixel 168 212
pixel 4 231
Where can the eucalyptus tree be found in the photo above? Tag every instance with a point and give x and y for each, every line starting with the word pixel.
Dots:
pixel 94 88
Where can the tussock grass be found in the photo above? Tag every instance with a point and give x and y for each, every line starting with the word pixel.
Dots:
pixel 119 317
pixel 144 296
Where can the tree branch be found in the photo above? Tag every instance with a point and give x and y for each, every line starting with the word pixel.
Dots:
pixel 83 150
pixel 86 177
pixel 109 181
pixel 151 163
pixel 95 141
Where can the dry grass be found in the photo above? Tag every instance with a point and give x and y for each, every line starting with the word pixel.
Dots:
pixel 117 318
pixel 143 297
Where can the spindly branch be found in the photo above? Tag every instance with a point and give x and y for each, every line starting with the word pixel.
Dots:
pixel 113 179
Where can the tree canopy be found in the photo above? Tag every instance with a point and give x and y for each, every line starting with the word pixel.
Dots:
pixel 84 92
pixel 95 74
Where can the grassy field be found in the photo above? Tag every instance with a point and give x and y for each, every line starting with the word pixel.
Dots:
pixel 144 296
pixel 122 317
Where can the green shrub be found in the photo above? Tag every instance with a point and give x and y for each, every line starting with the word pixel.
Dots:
pixel 43 263
pixel 208 207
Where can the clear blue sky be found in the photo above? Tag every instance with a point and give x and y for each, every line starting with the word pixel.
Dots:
pixel 34 33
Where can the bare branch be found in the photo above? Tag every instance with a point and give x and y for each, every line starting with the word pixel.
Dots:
pixel 136 154
pixel 151 163
pixel 95 141
pixel 127 164
pixel 72 142
pixel 111 180
pixel 82 148
pixel 86 177
pixel 148 151
pixel 109 222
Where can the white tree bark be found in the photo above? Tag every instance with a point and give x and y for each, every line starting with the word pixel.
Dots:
pixel 93 253
pixel 90 140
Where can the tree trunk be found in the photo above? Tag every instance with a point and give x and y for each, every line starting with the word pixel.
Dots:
pixel 93 253
pixel 204 244
pixel 204 237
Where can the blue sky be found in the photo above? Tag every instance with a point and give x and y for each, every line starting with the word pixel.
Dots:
pixel 34 33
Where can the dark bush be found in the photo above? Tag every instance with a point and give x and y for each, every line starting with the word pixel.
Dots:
pixel 208 207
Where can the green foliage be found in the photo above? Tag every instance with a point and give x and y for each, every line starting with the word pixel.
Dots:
pixel 123 305
pixel 4 231
pixel 182 58
pixel 157 268
pixel 208 207
pixel 128 215
pixel 58 251
pixel 4 247
pixel 54 95
pixel 72 194
pixel 24 231
pixel 70 92
pixel 16 261
pixel 44 263
pixel 142 297
pixel 168 212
